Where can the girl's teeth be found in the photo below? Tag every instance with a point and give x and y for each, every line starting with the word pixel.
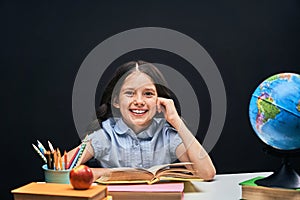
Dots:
pixel 138 111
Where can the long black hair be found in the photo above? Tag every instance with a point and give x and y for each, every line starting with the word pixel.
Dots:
pixel 104 111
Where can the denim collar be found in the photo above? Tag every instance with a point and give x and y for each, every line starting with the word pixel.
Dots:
pixel 156 125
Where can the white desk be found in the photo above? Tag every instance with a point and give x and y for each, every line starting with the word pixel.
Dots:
pixel 224 187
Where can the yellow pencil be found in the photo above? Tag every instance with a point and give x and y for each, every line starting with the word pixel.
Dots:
pixel 55 160
pixel 59 159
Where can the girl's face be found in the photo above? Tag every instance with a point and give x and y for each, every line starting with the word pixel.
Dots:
pixel 137 101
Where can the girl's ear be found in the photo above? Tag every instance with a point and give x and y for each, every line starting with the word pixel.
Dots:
pixel 116 102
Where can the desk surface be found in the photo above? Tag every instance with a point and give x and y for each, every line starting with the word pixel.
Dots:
pixel 224 186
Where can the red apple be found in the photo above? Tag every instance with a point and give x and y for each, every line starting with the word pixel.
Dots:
pixel 81 177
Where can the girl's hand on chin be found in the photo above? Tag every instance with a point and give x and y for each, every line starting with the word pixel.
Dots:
pixel 167 106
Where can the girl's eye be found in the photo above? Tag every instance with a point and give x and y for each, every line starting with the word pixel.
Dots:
pixel 149 94
pixel 129 93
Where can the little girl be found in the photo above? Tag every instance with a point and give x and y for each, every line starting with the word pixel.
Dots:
pixel 140 125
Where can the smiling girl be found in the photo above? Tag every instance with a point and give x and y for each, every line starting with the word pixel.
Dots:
pixel 140 125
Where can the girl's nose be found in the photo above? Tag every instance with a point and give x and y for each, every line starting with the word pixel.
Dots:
pixel 139 103
pixel 139 100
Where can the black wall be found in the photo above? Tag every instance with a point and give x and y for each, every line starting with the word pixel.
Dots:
pixel 43 45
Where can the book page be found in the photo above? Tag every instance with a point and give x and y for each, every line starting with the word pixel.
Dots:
pixel 126 174
pixel 157 168
pixel 176 172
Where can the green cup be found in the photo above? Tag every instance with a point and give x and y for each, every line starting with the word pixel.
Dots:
pixel 56 176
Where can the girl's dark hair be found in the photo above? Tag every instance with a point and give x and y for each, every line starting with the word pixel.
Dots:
pixel 104 111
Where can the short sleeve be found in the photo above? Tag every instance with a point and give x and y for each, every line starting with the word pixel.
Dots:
pixel 100 143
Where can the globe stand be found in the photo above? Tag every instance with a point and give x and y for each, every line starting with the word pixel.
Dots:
pixel 285 177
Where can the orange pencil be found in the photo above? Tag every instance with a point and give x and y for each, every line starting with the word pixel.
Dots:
pixel 66 159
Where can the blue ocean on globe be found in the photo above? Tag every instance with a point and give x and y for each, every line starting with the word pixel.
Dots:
pixel 274 111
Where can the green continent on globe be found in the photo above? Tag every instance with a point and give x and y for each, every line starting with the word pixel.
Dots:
pixel 273 78
pixel 268 110
pixel 298 106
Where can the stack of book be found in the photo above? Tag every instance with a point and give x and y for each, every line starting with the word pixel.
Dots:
pixel 250 190
pixel 161 182
pixel 46 191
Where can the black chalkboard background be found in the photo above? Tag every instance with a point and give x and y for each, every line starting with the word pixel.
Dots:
pixel 43 44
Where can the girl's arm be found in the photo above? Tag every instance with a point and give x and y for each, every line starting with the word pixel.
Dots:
pixel 190 150
pixel 97 172
pixel 87 156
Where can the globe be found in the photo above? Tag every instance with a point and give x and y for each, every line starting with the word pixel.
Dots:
pixel 274 111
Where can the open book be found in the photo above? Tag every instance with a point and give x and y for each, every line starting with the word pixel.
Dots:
pixel 166 172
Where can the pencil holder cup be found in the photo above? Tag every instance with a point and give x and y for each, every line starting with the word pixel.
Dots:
pixel 56 176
